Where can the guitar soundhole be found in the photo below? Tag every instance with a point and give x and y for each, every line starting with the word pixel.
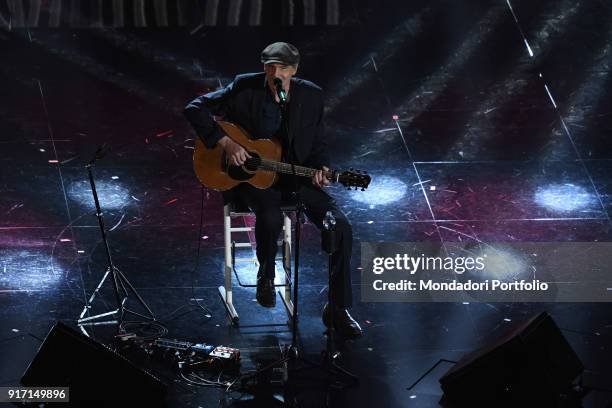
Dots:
pixel 252 164
pixel 244 172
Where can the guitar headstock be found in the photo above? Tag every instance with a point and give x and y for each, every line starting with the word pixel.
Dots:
pixel 354 178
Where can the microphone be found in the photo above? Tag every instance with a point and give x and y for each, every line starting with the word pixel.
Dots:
pixel 282 95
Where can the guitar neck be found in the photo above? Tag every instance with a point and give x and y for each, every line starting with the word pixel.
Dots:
pixel 287 168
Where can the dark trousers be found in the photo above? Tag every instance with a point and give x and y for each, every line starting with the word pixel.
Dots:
pixel 269 223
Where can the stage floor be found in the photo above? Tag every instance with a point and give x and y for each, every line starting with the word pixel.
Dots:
pixel 467 137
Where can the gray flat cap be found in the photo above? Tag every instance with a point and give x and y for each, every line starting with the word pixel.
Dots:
pixel 281 53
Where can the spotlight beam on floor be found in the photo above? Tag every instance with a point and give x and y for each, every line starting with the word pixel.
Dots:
pixel 104 72
pixel 514 83
pixel 437 81
pixel 567 131
pixel 386 49
pixel 592 89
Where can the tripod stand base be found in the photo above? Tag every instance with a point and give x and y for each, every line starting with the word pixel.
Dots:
pixel 118 314
pixel 328 370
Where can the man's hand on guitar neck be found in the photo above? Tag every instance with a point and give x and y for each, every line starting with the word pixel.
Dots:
pixel 319 178
pixel 235 153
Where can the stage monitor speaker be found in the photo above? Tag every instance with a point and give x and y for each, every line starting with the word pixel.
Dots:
pixel 96 375
pixel 528 367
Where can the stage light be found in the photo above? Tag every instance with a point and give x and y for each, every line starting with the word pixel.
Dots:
pixel 382 191
pixel 564 197
pixel 112 195
pixel 28 270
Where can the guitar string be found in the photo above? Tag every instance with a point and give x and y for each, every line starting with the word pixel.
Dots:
pixel 287 168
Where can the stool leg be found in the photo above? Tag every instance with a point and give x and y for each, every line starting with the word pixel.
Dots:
pixel 226 290
pixel 285 292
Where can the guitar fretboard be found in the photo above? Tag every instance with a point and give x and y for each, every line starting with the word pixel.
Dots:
pixel 287 168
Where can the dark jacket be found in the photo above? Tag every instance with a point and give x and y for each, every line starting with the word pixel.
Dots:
pixel 241 102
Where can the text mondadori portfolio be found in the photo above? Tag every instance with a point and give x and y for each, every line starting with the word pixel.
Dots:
pixel 454 285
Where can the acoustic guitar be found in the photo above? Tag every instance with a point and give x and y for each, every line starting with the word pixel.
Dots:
pixel 261 170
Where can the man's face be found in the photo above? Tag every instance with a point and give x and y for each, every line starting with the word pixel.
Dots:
pixel 281 71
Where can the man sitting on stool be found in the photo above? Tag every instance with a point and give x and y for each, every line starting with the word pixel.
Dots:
pixel 252 102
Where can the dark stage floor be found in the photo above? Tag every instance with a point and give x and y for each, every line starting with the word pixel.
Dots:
pixel 468 137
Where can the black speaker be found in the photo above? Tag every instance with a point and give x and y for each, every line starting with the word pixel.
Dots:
pixel 96 375
pixel 528 367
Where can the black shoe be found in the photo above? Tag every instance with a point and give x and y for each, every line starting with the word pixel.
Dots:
pixel 344 323
pixel 266 295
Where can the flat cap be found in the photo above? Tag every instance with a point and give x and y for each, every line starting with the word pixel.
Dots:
pixel 281 53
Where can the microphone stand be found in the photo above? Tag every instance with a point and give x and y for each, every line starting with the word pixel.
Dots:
pixel 119 279
pixel 291 353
